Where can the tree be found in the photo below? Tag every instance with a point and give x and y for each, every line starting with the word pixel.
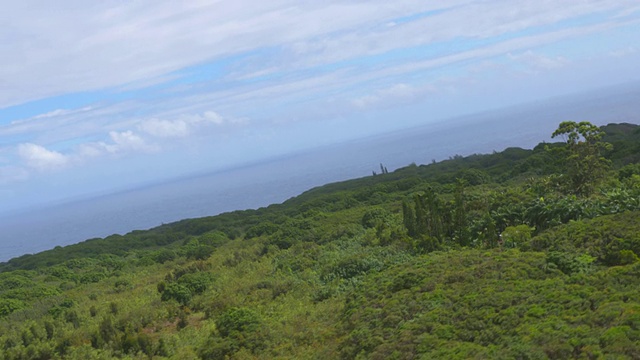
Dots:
pixel 238 320
pixel 409 218
pixel 460 225
pixel 425 218
pixel 179 292
pixel 585 164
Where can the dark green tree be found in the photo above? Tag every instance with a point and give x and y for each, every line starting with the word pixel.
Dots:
pixel 238 320
pixel 585 165
pixel 460 225
pixel 409 218
pixel 425 217
pixel 179 292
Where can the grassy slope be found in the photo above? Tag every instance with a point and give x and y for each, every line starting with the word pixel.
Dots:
pixel 333 274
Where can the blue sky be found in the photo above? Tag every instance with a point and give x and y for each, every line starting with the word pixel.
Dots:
pixel 101 96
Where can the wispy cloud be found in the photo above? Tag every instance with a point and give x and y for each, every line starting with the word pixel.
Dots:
pixel 136 41
pixel 180 127
pixel 536 62
pixel 128 141
pixel 111 44
pixel 392 95
pixel 629 50
pixel 165 128
pixel 39 158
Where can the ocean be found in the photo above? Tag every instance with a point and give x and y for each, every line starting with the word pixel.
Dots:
pixel 275 180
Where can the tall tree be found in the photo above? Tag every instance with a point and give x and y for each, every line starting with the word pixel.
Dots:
pixel 429 212
pixel 586 166
pixel 409 218
pixel 460 226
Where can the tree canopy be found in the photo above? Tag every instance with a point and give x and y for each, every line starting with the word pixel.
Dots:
pixel 585 165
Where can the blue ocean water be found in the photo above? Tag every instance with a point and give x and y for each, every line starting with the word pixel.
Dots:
pixel 276 180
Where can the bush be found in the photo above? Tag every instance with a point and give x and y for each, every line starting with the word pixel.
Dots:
pixel 612 240
pixel 570 263
pixel 178 292
pixel 7 306
pixel 237 320
pixel 92 277
pixel 164 255
pixel 264 228
pixel 514 236
pixel 197 282
pixel 197 251
pixel 373 217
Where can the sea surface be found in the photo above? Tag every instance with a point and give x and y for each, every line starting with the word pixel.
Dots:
pixel 275 180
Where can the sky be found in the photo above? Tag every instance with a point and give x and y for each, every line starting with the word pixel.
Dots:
pixel 102 96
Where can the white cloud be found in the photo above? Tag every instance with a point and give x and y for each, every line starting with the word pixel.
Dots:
pixel 121 142
pixel 483 53
pixel 472 20
pixel 165 128
pixel 208 117
pixel 93 45
pixel 393 95
pixel 180 127
pixel 538 62
pixel 47 121
pixel 112 44
pixel 306 83
pixel 39 158
pixel 60 112
pixel 128 141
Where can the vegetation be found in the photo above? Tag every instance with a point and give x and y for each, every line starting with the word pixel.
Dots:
pixel 585 163
pixel 520 254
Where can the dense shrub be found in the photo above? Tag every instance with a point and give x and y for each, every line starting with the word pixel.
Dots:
pixel 177 292
pixel 237 320
pixel 7 306
pixel 612 239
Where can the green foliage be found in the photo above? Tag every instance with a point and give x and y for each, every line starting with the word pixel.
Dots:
pixel 197 282
pixel 492 304
pixel 163 255
pixel 184 283
pixel 628 171
pixel 474 176
pixel 264 228
pixel 177 292
pixel 585 164
pixel 426 216
pixel 570 263
pixel 612 239
pixel 7 306
pixel 374 217
pixel 197 251
pixel 237 320
pixel 515 236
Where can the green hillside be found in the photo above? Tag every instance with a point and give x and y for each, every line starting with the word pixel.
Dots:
pixel 519 254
